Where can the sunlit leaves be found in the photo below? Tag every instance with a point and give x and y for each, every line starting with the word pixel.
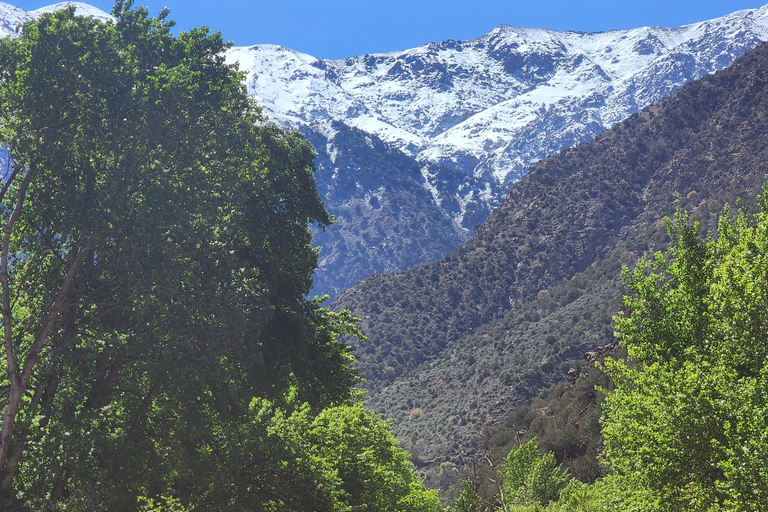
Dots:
pixel 688 422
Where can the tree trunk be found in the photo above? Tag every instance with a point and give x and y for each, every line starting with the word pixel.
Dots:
pixel 14 457
pixel 20 381
pixel 133 432
pixel 14 399
pixel 105 381
pixel 60 487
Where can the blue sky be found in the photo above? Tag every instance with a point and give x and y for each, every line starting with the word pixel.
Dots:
pixel 342 28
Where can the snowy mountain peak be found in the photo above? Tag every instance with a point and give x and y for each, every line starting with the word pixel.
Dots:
pixel 501 101
pixel 81 9
pixel 475 115
pixel 12 17
pixel 462 120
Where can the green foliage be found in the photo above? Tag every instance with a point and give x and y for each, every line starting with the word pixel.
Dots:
pixel 468 500
pixel 609 494
pixel 343 459
pixel 688 425
pixel 531 478
pixel 565 419
pixel 375 473
pixel 160 352
pixel 162 504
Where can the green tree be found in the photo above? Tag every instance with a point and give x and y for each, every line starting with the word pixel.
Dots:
pixel 159 351
pixel 688 421
pixel 293 459
pixel 531 478
pixel 468 500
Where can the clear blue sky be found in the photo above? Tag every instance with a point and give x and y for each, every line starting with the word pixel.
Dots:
pixel 342 28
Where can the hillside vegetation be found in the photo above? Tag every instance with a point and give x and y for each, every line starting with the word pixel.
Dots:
pixel 384 219
pixel 685 421
pixel 537 283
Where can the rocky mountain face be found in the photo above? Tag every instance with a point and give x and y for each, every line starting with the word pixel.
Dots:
pixel 388 220
pixel 466 119
pixel 455 344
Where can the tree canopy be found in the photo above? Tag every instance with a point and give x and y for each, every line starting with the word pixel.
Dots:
pixel 156 255
pixel 688 421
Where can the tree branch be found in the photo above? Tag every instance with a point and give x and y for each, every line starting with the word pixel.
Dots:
pixel 133 432
pixel 9 181
pixel 19 382
pixel 12 406
pixel 58 305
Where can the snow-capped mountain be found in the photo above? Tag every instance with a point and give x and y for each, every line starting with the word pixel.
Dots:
pixel 474 115
pixel 12 17
pixel 416 147
pixel 488 108
pixel 81 9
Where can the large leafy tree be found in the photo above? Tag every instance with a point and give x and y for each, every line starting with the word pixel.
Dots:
pixel 687 426
pixel 154 264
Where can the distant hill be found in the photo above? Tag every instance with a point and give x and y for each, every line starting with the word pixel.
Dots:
pixel 457 343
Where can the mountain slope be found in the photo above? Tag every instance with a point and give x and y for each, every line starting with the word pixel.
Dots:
pixel 474 115
pixel 535 286
pixel 11 17
pixel 385 219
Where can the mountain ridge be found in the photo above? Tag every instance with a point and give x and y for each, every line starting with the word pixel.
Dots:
pixel 12 17
pixel 475 115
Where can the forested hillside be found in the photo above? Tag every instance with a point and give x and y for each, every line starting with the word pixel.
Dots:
pixel 537 283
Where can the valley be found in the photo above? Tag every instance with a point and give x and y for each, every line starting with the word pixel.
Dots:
pixel 467 338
